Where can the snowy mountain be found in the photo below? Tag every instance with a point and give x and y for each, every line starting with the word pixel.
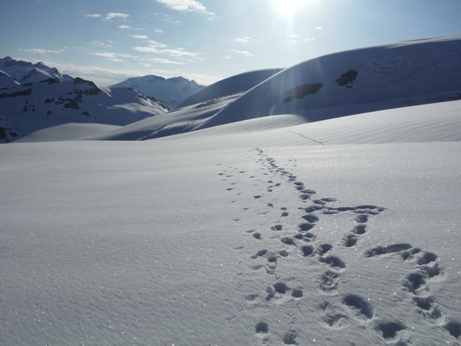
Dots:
pixel 40 97
pixel 339 84
pixel 229 86
pixel 25 72
pixel 229 227
pixel 171 91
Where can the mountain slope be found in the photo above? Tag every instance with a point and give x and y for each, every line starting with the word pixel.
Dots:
pixel 345 83
pixel 171 91
pixel 25 72
pixel 35 106
pixel 229 86
pixel 394 75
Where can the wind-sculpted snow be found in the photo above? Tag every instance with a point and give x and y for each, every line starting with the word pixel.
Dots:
pixel 229 86
pixel 408 72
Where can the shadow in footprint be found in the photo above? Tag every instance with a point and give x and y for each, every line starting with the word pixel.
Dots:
pixel 290 338
pixel 307 250
pixel 454 328
pixel 414 282
pixel 359 305
pixel 288 241
pixel 383 250
pixel 259 254
pixel 297 293
pixel 311 218
pixel 262 327
pixel 427 258
pixel 350 240
pixel 304 227
pixel 361 218
pixel 280 287
pixel 323 249
pixel 390 329
pixel 360 229
pixel 329 281
pixel 333 262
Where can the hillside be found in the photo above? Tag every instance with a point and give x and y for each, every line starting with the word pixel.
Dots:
pixel 237 220
pixel 39 97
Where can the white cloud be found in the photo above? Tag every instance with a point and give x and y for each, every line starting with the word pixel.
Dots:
pixel 156 47
pixel 242 52
pixel 167 18
pixel 42 51
pixel 94 15
pixel 166 61
pixel 116 57
pixel 318 28
pixel 309 39
pixel 140 36
pixel 186 5
pixel 127 27
pixel 112 15
pixel 245 39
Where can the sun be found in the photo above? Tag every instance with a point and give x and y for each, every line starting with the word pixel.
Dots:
pixel 287 8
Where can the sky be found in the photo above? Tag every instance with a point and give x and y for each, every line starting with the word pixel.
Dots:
pixel 108 41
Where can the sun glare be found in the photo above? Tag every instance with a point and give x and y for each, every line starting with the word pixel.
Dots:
pixel 288 8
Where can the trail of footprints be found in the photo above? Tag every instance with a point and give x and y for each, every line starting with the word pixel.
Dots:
pixel 417 283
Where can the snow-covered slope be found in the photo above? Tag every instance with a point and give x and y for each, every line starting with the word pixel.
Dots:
pixel 25 72
pixel 229 86
pixel 403 73
pixel 240 234
pixel 47 102
pixel 171 91
pixel 345 83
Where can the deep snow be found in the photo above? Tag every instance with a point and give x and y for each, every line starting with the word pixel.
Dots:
pixel 217 239
pixel 263 229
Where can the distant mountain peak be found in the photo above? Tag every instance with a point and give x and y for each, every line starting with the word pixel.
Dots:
pixel 171 91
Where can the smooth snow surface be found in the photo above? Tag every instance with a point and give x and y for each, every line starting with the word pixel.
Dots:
pixel 238 235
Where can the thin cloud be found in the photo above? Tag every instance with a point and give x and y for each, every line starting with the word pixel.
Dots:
pixel 166 61
pixel 116 57
pixel 242 52
pixel 140 36
pixel 167 18
pixel 318 28
pixel 127 27
pixel 42 51
pixel 156 47
pixel 186 5
pixel 246 39
pixel 112 15
pixel 159 31
pixel 93 15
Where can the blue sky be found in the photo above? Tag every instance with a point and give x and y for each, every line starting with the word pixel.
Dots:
pixel 108 41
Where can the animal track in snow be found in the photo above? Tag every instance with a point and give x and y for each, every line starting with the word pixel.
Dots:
pixel 303 238
pixel 390 329
pixel 360 308
pixel 329 281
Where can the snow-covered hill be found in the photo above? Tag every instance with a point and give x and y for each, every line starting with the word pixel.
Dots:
pixel 229 86
pixel 25 72
pixel 358 81
pixel 171 91
pixel 260 230
pixel 240 234
pixel 43 99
